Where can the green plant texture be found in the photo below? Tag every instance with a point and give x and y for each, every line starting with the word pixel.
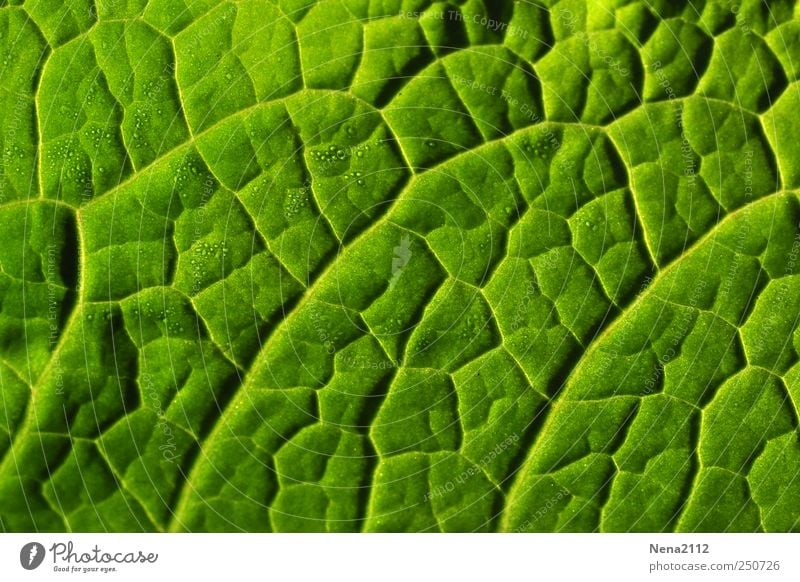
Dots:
pixel 399 266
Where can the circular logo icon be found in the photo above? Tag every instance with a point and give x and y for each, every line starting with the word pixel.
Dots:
pixel 31 555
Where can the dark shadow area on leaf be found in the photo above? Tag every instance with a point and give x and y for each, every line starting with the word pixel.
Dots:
pixel 69 268
pixel 394 85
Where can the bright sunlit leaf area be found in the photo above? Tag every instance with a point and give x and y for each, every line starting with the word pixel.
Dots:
pixel 399 266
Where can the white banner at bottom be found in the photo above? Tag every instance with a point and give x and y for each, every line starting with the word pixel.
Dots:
pixel 400 557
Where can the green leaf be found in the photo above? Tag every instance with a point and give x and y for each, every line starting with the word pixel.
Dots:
pixel 297 265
